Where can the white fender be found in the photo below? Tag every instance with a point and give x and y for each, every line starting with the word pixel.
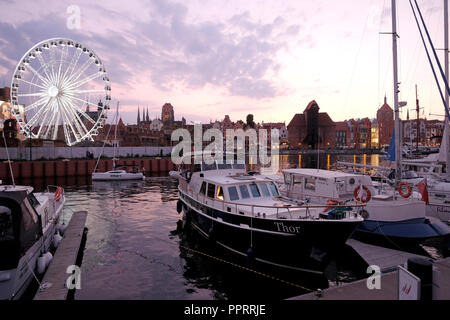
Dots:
pixel 62 228
pixel 43 262
pixel 56 240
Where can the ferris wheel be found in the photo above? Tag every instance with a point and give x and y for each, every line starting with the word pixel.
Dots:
pixel 51 89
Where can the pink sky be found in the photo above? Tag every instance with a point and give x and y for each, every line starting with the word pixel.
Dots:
pixel 211 58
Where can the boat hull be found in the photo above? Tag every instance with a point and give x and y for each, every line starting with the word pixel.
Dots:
pixel 283 243
pixel 14 282
pixel 405 232
pixel 106 176
pixel 439 211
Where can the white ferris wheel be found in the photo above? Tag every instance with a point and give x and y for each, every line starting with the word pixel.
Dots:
pixel 51 89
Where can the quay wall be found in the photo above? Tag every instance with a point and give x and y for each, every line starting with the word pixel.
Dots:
pixel 74 167
pixel 52 153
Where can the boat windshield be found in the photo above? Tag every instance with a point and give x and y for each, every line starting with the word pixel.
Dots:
pixel 207 167
pixel 237 165
pixel 6 224
pixel 225 165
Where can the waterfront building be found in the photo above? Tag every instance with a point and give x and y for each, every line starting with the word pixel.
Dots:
pixel 312 129
pixel 374 134
pixel 343 134
pixel 385 119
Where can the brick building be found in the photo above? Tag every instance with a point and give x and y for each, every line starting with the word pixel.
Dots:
pixel 385 119
pixel 312 129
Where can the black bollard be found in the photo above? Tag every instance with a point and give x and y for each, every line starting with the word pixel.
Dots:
pixel 423 269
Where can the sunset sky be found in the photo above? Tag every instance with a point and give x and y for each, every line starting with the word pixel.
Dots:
pixel 211 58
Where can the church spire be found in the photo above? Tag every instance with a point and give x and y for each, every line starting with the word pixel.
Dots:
pixel 138 117
pixel 385 99
pixel 147 117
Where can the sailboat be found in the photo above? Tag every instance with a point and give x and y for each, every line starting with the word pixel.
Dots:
pixel 116 173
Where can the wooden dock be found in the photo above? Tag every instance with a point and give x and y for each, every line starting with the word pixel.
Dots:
pixel 66 255
pixel 358 290
pixel 386 259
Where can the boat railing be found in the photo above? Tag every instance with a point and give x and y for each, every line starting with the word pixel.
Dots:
pixel 308 195
pixel 280 210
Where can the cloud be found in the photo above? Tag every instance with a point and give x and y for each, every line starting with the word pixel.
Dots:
pixel 237 54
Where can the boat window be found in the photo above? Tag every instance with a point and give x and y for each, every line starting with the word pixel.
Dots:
pixel 219 193
pixel 196 167
pixel 225 165
pixel 34 202
pixel 298 179
pixel 287 178
pixel 203 188
pixel 232 192
pixel 211 190
pixel 310 184
pixel 237 165
pixel 244 191
pixel 30 229
pixel 273 189
pixel 207 167
pixel 255 191
pixel 265 190
pixel 6 225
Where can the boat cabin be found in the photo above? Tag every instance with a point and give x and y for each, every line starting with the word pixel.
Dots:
pixel 324 183
pixel 20 225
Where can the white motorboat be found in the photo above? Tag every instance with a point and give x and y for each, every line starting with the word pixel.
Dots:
pixel 28 231
pixel 117 175
pixel 398 217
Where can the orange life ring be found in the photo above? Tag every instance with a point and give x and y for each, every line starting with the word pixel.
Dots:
pixel 58 193
pixel 363 199
pixel 400 189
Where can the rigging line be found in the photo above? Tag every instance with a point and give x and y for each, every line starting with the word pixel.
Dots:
pixel 379 50
pixel 447 89
pixel 429 58
pixel 356 61
pixel 412 69
pixel 104 142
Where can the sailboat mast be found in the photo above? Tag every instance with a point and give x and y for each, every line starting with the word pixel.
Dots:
pixel 115 136
pixel 417 123
pixel 398 152
pixel 446 139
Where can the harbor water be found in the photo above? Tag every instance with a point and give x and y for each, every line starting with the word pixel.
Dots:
pixel 134 251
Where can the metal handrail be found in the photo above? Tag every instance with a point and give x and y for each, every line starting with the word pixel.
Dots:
pixel 283 207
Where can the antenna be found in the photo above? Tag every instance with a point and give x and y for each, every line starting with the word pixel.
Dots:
pixel 417 109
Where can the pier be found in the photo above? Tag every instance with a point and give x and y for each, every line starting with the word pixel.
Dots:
pixel 66 255
pixel 388 261
pixel 389 287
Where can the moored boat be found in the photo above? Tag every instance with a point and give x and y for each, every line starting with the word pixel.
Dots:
pixel 246 214
pixel 387 215
pixel 28 231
